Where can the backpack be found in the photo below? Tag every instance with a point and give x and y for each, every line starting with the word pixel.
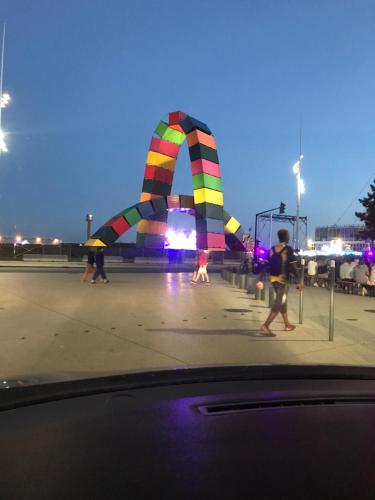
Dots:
pixel 276 262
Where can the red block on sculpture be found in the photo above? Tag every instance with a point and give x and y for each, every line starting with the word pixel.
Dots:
pixel 164 147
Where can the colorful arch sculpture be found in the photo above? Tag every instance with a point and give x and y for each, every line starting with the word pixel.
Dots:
pixel 148 210
pixel 151 214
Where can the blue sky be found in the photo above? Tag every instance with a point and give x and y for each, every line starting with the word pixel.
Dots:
pixel 90 79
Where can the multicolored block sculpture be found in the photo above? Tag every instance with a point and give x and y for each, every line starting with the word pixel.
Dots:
pixel 214 229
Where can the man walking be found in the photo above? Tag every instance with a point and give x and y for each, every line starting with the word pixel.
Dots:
pixel 281 263
pixel 312 271
pixel 99 261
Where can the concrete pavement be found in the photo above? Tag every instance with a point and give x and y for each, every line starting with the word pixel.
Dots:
pixel 53 324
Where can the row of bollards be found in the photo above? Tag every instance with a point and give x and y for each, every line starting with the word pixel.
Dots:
pixel 244 282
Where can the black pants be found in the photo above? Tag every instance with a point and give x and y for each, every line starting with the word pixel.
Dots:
pixel 99 272
pixel 280 302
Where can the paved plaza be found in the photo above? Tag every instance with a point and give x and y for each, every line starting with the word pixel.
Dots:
pixel 50 323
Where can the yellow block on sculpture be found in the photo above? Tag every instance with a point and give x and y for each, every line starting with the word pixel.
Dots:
pixel 205 195
pixel 232 225
pixel 161 160
pixel 95 243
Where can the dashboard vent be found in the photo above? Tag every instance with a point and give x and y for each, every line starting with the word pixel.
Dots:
pixel 227 408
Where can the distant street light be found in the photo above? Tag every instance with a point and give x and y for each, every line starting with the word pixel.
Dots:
pixel 89 219
pixel 38 240
pixel 4 100
pixel 56 241
pixel 300 190
pixel 18 238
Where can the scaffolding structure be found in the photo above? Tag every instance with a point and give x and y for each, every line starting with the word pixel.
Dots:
pixel 265 223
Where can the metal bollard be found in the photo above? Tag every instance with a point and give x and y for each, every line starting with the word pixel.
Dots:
pixel 260 294
pixel 332 281
pixel 222 273
pixel 301 292
pixel 229 276
pixel 242 282
pixel 234 278
pixel 251 284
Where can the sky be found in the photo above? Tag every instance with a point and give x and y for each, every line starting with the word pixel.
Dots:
pixel 90 80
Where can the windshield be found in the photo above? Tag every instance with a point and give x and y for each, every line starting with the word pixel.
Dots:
pixel 184 187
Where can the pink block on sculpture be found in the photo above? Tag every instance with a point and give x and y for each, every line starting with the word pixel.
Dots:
pixel 164 147
pixel 211 241
pixel 176 117
pixel 202 166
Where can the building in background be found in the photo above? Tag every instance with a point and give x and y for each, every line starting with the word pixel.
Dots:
pixel 338 240
pixel 346 233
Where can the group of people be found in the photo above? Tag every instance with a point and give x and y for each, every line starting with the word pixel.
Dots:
pixel 95 267
pixel 359 272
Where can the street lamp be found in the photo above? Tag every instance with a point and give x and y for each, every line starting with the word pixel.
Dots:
pixel 38 240
pixel 300 190
pixel 89 219
pixel 4 97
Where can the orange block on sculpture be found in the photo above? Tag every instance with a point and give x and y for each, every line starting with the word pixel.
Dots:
pixel 148 196
pixel 198 136
pixel 152 227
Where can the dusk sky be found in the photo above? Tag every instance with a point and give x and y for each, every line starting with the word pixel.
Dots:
pixel 90 79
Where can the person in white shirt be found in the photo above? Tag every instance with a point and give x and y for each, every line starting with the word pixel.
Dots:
pixel 344 270
pixel 312 270
pixel 371 282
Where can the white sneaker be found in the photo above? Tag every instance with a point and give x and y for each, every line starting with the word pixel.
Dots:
pixel 316 285
pixel 93 282
pixel 106 281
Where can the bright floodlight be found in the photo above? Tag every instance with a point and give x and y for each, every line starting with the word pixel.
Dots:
pixel 4 100
pixel 38 240
pixel 302 187
pixel 56 241
pixel 296 167
pixel 18 238
pixel 3 146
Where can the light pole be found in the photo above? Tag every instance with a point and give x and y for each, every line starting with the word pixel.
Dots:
pixel 89 219
pixel 4 98
pixel 300 190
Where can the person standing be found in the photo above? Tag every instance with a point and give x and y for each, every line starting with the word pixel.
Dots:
pixel 361 275
pixel 90 266
pixel 371 282
pixel 312 271
pixel 281 263
pixel 99 262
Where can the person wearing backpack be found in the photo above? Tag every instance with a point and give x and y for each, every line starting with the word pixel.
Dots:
pixel 281 263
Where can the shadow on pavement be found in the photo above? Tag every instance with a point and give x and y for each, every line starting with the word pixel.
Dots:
pixel 235 331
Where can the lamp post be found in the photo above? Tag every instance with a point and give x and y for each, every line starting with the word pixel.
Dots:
pixel 89 219
pixel 300 190
pixel 4 97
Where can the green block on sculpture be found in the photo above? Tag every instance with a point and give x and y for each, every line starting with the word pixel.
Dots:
pixel 206 181
pixel 132 215
pixel 169 134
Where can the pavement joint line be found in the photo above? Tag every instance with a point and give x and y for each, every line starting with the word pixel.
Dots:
pixel 328 348
pixel 99 328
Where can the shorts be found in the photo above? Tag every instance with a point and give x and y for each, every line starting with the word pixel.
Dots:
pixel 280 297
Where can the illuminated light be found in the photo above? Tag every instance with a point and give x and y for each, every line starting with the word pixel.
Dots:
pixel 3 146
pixel 296 167
pixel 38 240
pixel 310 243
pixel 301 185
pixel 301 157
pixel 56 241
pixel 4 100
pixel 18 238
pixel 25 242
pixel 180 240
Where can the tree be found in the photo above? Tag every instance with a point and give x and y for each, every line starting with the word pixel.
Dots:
pixel 368 216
